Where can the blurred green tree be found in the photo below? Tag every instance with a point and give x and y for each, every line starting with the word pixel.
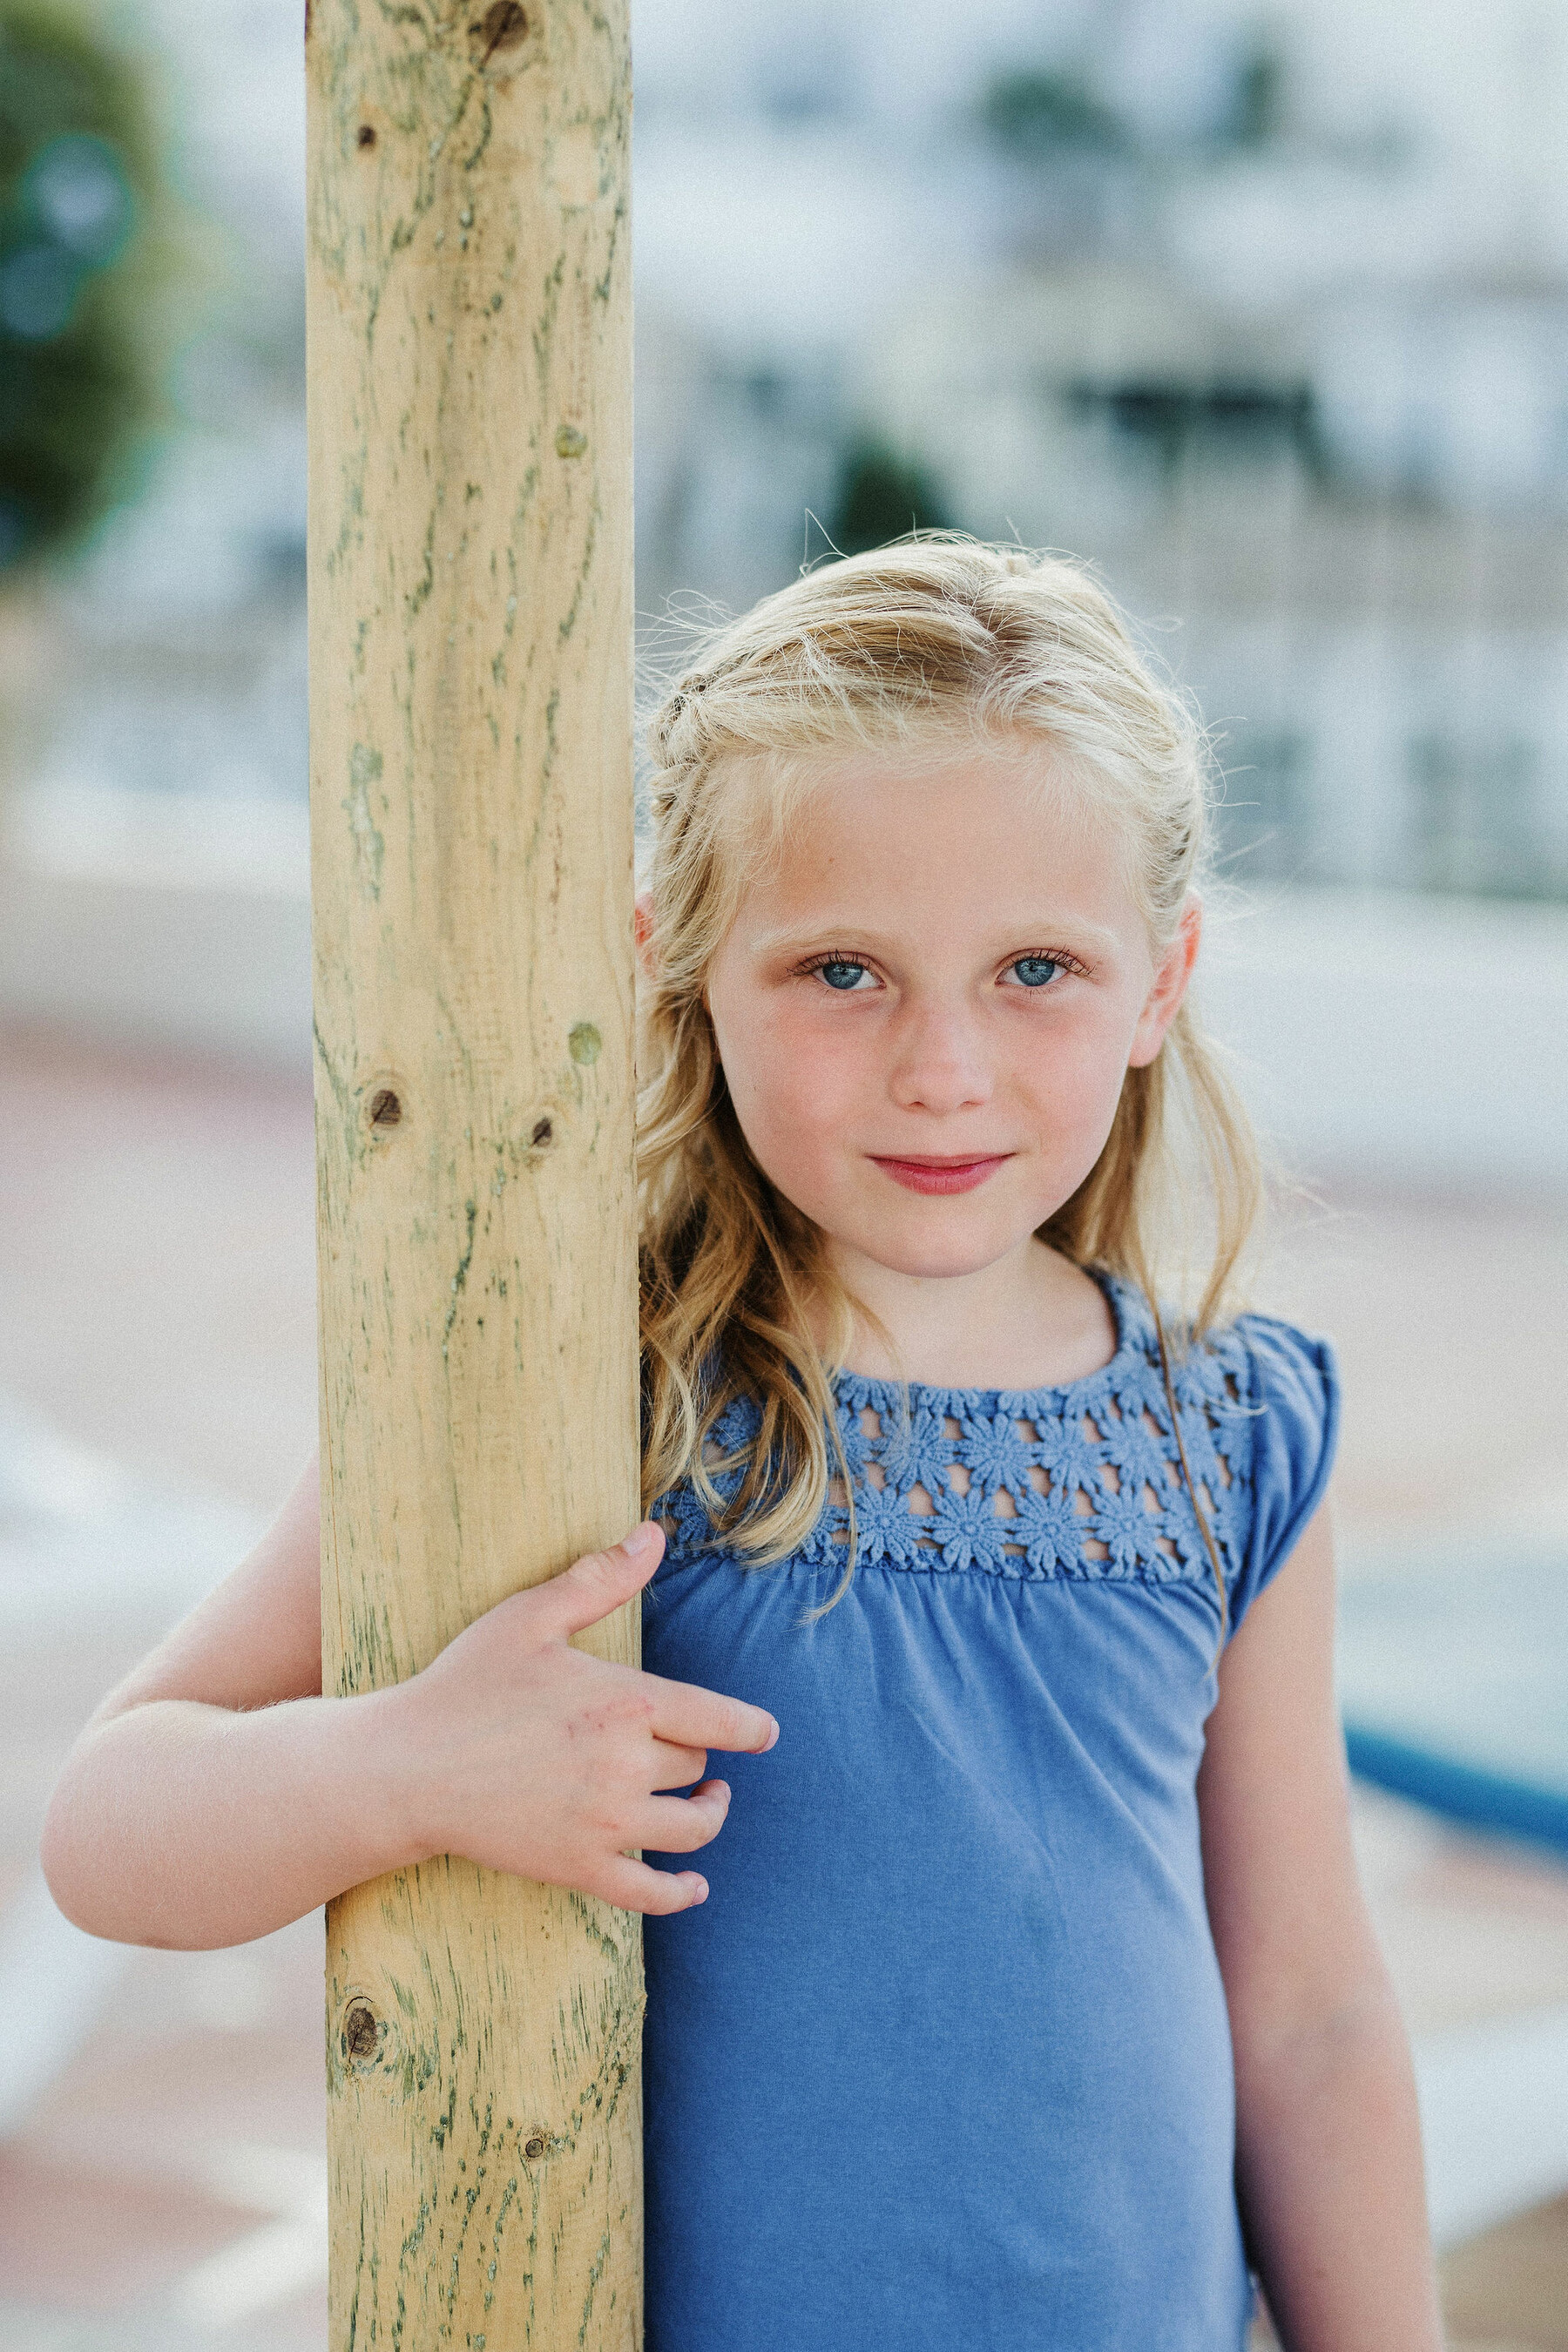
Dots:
pixel 1257 114
pixel 1035 114
pixel 81 256
pixel 881 496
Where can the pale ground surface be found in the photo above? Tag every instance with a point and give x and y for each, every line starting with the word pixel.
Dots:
pixel 156 1303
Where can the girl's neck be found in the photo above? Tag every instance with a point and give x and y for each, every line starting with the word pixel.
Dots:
pixel 1030 1321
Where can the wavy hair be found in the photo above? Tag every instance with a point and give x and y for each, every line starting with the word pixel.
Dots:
pixel 939 637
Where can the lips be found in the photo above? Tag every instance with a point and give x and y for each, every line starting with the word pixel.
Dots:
pixel 940 1176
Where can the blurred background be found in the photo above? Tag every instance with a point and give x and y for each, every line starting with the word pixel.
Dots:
pixel 1260 305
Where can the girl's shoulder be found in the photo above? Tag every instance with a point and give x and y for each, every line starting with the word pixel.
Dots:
pixel 1086 1481
pixel 1262 1398
pixel 1282 1381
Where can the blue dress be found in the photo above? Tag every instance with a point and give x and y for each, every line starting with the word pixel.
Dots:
pixel 944 2064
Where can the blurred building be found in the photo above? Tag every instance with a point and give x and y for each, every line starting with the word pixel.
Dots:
pixel 1264 315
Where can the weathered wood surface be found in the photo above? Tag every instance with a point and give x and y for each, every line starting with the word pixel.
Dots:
pixel 471 820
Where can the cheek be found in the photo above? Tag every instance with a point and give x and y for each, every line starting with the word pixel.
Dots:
pixel 793 1090
pixel 1074 1079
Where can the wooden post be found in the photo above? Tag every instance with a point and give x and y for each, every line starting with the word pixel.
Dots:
pixel 471 822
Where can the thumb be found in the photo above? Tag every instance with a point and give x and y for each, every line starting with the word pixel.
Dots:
pixel 596 1584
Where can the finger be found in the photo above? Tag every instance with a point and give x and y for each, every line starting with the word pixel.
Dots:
pixel 680 1824
pixel 677 1767
pixel 592 1587
pixel 636 1886
pixel 688 1717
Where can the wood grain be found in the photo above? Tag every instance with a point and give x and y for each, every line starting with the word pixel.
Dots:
pixel 471 820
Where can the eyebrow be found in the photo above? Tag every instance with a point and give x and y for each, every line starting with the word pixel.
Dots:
pixel 1070 928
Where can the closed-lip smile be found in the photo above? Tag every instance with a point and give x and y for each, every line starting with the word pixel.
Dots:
pixel 925 1171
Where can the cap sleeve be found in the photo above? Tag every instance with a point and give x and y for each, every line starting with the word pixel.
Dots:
pixel 1296 1426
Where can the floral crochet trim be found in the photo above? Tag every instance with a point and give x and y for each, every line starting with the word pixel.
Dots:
pixel 1082 1481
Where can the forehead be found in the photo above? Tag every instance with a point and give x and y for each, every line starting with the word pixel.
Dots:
pixel 927 832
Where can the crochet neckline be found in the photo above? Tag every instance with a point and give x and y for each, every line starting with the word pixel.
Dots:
pixel 1078 1479
pixel 1135 1332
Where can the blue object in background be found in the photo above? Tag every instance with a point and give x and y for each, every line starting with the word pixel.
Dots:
pixel 1461 1792
pixel 1454 1681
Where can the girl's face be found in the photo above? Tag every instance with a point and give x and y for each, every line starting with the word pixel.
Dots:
pixel 928 1001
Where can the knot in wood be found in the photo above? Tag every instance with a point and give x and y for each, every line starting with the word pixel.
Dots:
pixel 362 2032
pixel 386 1108
pixel 535 2146
pixel 502 27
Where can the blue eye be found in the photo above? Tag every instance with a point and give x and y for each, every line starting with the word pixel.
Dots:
pixel 841 975
pixel 1035 972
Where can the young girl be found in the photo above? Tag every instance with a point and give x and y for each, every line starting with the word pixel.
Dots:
pixel 1033 1998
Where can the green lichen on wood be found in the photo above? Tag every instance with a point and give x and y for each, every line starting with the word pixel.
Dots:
pixel 370 846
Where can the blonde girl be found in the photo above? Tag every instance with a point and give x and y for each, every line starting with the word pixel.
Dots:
pixel 1029 1998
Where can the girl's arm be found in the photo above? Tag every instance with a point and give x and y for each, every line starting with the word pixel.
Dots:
pixel 1329 2148
pixel 216 1794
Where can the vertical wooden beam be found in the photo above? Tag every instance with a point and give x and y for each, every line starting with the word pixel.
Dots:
pixel 471 820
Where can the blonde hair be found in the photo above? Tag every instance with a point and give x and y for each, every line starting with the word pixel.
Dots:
pixel 938 636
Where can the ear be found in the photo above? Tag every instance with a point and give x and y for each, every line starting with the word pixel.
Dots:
pixel 642 931
pixel 1164 1001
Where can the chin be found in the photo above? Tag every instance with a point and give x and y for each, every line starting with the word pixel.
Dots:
pixel 936 1258
pixel 943 1265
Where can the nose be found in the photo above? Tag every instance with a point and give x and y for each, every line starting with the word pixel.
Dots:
pixel 940 1063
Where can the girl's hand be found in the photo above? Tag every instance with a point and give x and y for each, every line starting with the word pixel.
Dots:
pixel 528 1756
pixel 216 1794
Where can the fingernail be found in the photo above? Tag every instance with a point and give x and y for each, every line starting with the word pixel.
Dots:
pixel 641 1541
pixel 773 1738
pixel 699 1890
